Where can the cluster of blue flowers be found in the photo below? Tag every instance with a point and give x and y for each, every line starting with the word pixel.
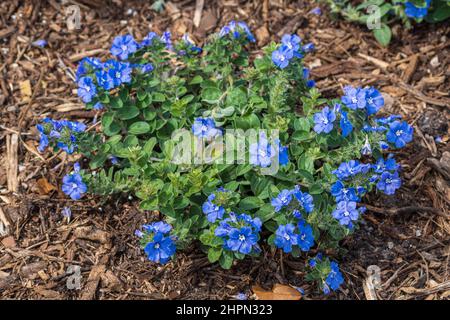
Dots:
pixel 355 179
pixel 159 245
pixel 290 47
pixel 412 11
pixel 262 152
pixel 301 233
pixel 240 233
pixel 93 75
pixel 237 30
pixel 73 184
pixel 62 133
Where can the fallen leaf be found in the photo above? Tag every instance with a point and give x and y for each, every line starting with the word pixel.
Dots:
pixel 9 242
pixel 25 90
pixel 44 186
pixel 279 292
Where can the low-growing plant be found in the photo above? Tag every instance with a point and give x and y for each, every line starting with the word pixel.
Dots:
pixel 234 150
pixel 378 15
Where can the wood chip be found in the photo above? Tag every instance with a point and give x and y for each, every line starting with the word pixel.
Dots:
pixel 12 144
pixel 45 187
pixel 198 12
pixel 25 90
pixel 90 288
pixel 279 292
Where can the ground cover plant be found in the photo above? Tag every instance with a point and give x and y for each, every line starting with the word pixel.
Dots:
pixel 296 181
pixel 379 15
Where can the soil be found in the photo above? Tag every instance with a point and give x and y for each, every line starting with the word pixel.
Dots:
pixel 406 237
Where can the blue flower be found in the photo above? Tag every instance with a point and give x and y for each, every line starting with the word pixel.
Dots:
pixel 283 154
pixel 345 124
pixel 86 89
pixel 381 166
pixel 324 120
pixel 205 128
pixel 191 46
pixel 366 148
pixel 285 237
pixel 304 199
pixel 305 73
pixel 349 169
pixel 292 43
pixel 98 106
pixel 341 193
pixel 160 249
pixel 88 65
pixel 317 11
pixel 261 152
pixel 388 120
pixel 310 83
pixel 306 237
pixel 236 29
pixel 416 12
pixel 334 278
pixel 145 68
pixel 389 182
pixel 104 80
pixel 212 211
pixel 120 72
pixel 354 98
pixel 66 213
pixel 282 200
pixel 281 57
pixel 40 43
pixel 346 212
pixel 74 186
pixel 241 296
pixel 400 133
pixel 242 240
pixel 374 101
pixel 383 145
pixel 308 47
pixel 123 46
pixel 148 40
pixel 43 142
pixel 159 226
pixel 166 39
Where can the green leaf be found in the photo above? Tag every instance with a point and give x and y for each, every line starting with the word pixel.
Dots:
pixel 116 103
pixel 139 127
pixel 128 112
pixel 211 95
pixel 149 145
pixel 196 80
pixel 159 97
pixel 226 260
pixel 315 189
pixel 383 34
pixel 250 203
pixel 214 254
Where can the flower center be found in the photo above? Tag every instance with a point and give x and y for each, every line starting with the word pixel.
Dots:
pixel 354 100
pixel 124 47
pixel 118 74
pixel 287 237
pixel 399 133
pixel 241 237
pixel 74 186
pixel 157 246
